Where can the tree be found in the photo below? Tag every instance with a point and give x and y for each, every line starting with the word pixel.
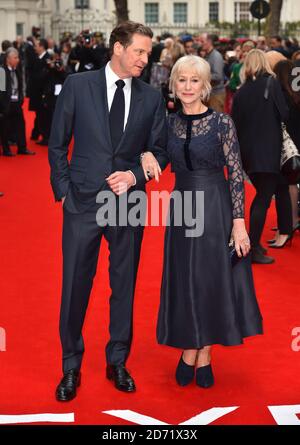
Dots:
pixel 273 21
pixel 121 10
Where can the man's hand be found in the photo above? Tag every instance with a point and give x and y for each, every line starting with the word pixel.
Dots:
pixel 150 166
pixel 120 182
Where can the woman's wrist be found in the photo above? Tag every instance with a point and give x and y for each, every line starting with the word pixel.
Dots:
pixel 239 222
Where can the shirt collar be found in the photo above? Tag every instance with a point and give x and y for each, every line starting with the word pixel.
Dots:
pixel 111 78
pixel 42 55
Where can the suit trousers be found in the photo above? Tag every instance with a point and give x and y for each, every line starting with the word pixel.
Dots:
pixel 81 243
pixel 13 122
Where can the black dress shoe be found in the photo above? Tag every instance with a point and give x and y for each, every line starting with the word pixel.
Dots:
pixel 66 389
pixel 121 378
pixel 8 153
pixel 26 152
pixel 184 373
pixel 42 142
pixel 204 376
pixel 257 257
pixel 262 249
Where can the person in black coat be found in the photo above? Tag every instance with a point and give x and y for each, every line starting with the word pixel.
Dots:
pixel 40 79
pixel 11 101
pixel 258 118
pixel 284 73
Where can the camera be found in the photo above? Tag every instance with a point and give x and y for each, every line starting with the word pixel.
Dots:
pixel 86 38
pixel 58 63
pixel 36 32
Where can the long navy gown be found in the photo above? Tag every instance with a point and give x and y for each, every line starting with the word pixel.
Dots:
pixel 204 299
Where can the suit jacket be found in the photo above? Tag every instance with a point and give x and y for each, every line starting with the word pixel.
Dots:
pixel 82 110
pixel 38 81
pixel 6 95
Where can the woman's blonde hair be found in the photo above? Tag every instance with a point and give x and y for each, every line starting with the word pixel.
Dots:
pixel 255 64
pixel 196 64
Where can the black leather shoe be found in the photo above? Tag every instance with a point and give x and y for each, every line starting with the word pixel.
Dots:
pixel 8 153
pixel 257 257
pixel 121 378
pixel 262 249
pixel 26 152
pixel 42 142
pixel 184 373
pixel 205 377
pixel 66 389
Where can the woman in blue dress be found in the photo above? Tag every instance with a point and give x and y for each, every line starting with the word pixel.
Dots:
pixel 205 299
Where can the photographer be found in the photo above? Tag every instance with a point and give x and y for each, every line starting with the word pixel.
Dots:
pixel 86 54
pixel 53 85
pixel 40 77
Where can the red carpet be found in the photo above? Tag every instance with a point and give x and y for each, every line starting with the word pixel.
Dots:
pixel 262 373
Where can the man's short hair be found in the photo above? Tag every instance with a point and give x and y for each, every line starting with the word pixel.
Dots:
pixel 124 31
pixel 10 51
pixel 43 43
pixel 213 38
pixel 278 38
pixel 5 45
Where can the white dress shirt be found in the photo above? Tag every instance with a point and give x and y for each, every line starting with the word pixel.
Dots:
pixel 42 55
pixel 111 87
pixel 111 78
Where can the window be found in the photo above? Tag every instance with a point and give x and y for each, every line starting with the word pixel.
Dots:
pixel 180 12
pixel 20 29
pixel 242 11
pixel 82 4
pixel 57 5
pixel 151 12
pixel 213 11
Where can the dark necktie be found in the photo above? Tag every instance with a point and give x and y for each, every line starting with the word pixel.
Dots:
pixel 117 114
pixel 14 84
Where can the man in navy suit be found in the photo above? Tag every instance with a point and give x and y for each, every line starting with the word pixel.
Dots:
pixel 114 117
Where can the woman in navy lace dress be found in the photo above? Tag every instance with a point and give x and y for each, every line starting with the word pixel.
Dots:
pixel 205 300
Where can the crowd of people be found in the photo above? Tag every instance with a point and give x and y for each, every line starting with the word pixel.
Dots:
pixel 38 67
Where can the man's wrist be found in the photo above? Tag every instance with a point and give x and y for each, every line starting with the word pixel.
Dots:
pixel 133 177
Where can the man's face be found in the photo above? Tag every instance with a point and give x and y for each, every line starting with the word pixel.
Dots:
pixel 13 60
pixel 189 48
pixel 39 49
pixel 133 59
pixel 205 43
pixel 274 43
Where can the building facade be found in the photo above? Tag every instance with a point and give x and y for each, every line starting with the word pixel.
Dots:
pixel 57 16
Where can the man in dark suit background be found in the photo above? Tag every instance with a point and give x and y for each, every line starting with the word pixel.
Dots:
pixel 11 101
pixel 114 117
pixel 39 79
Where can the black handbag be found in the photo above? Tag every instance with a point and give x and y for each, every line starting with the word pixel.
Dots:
pixel 290 158
pixel 234 258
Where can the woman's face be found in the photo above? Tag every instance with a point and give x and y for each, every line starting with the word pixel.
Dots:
pixel 188 87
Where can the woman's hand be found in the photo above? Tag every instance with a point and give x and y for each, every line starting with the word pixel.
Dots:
pixel 150 166
pixel 240 237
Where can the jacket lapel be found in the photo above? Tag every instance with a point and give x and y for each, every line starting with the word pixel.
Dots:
pixel 99 97
pixel 134 111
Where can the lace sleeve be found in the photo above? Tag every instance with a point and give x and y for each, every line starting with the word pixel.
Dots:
pixel 234 165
